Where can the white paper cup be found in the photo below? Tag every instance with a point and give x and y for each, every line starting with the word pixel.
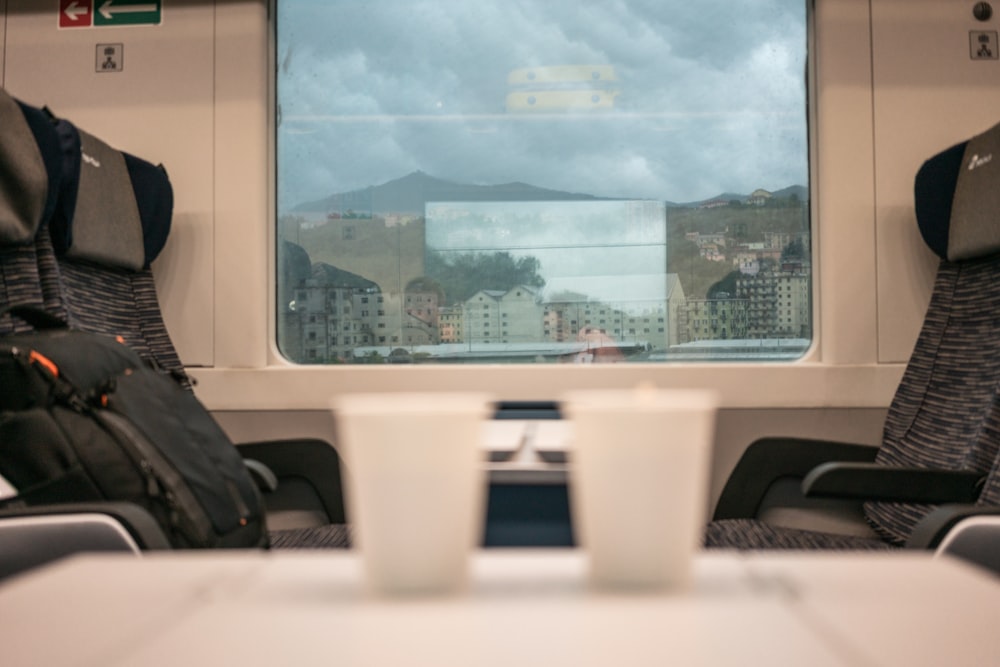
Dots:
pixel 415 486
pixel 639 482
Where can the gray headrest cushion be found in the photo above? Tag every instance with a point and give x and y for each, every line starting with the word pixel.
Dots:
pixel 23 178
pixel 106 224
pixel 975 213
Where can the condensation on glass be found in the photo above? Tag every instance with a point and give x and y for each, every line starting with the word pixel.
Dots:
pixel 542 181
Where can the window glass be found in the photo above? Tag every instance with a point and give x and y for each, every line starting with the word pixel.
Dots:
pixel 542 181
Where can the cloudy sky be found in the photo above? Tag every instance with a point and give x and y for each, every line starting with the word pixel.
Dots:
pixel 692 97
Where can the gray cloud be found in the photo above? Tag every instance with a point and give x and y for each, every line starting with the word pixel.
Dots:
pixel 711 99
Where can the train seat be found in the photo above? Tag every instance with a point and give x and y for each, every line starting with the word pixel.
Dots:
pixel 30 176
pixel 940 440
pixel 109 287
pixel 93 268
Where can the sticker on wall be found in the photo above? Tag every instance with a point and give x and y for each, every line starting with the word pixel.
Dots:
pixel 109 13
pixel 110 58
pixel 983 45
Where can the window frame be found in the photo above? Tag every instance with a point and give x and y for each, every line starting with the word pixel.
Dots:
pixel 840 369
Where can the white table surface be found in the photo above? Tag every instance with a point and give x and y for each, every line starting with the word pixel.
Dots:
pixel 522 607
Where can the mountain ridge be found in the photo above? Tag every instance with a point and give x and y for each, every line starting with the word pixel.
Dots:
pixel 411 192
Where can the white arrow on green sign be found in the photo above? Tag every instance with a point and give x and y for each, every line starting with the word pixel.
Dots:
pixel 127 12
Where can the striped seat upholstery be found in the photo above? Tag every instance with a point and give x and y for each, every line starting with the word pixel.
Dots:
pixel 946 411
pixel 29 182
pixel 119 302
pixel 949 390
pixel 154 329
pixel 19 284
pixel 330 536
pixel 755 534
pixel 100 299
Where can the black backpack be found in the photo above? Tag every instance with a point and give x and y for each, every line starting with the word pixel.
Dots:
pixel 83 418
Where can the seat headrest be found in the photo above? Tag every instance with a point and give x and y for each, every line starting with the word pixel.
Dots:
pixel 957 198
pixel 114 208
pixel 29 170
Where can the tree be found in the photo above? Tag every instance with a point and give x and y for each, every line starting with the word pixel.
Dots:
pixel 793 250
pixel 725 288
pixel 425 285
pixel 463 274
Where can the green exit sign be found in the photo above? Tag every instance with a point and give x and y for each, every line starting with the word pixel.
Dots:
pixel 127 12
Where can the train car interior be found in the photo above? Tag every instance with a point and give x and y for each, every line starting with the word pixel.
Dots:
pixel 786 211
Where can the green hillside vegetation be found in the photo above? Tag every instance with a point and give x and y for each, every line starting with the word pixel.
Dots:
pixel 696 274
pixel 740 223
pixel 744 224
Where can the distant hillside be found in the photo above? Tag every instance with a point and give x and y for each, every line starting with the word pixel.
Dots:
pixel 801 192
pixel 409 194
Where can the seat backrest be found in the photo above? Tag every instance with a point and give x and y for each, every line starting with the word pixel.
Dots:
pixel 112 221
pixel 29 182
pixel 948 391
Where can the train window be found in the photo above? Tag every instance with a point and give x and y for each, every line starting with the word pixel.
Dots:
pixel 542 181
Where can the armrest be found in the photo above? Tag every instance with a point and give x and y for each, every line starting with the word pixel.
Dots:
pixel 313 461
pixel 868 481
pixel 136 521
pixel 769 459
pixel 33 536
pixel 933 528
pixel 263 477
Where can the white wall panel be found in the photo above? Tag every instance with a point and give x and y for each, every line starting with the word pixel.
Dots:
pixel 158 107
pixel 929 95
pixel 242 201
pixel 842 170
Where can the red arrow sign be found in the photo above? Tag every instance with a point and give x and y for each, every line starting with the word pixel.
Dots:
pixel 76 13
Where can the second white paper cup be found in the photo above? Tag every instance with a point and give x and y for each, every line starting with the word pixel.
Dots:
pixel 639 482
